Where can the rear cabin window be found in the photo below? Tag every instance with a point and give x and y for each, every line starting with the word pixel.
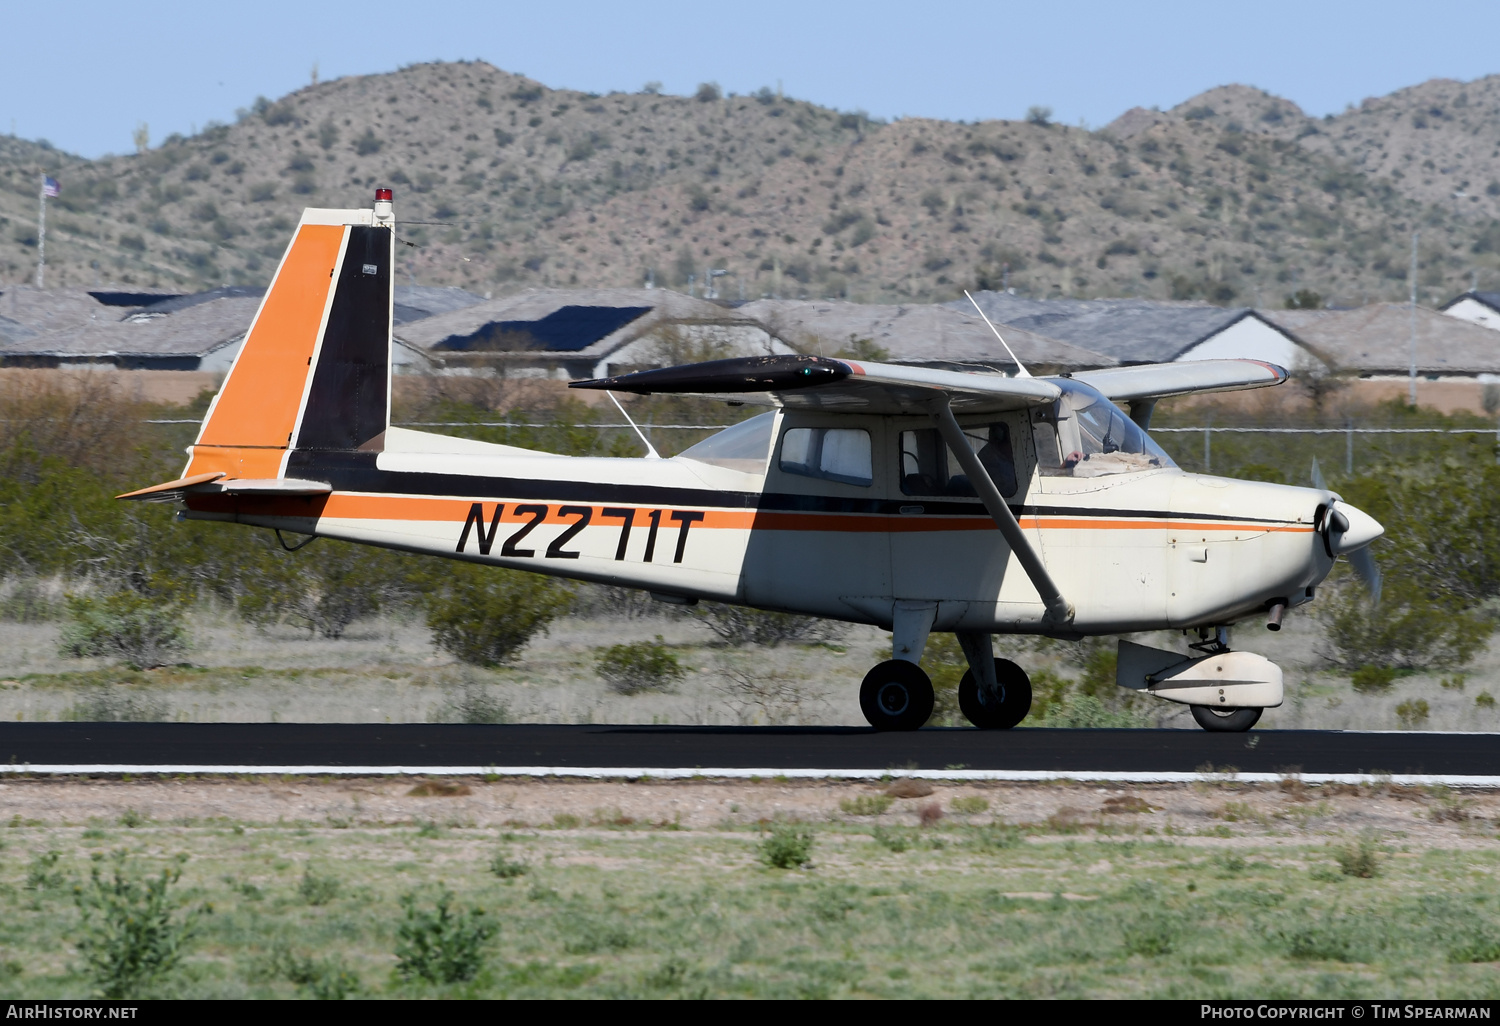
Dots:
pixel 928 467
pixel 833 454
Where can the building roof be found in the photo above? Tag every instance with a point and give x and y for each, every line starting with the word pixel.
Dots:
pixel 26 312
pixel 1376 339
pixel 588 323
pixel 414 302
pixel 1489 299
pixel 1129 330
pixel 194 331
pixel 913 333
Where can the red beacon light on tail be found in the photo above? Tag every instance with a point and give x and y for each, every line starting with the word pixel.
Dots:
pixel 383 195
pixel 384 212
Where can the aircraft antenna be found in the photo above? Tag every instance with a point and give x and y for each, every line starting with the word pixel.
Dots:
pixel 651 452
pixel 1021 371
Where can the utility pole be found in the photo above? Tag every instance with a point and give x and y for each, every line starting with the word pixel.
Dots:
pixel 1411 399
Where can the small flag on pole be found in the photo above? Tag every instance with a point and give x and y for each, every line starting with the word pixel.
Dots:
pixel 50 187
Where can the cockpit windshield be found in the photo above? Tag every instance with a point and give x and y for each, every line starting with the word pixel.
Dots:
pixel 743 446
pixel 1083 434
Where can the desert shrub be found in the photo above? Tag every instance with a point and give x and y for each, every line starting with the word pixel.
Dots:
pixel 323 588
pixel 707 92
pixel 740 625
pixel 1372 679
pixel 969 805
pixel 1153 933
pixel 132 936
pixel 588 935
pixel 506 868
pixel 1476 949
pixel 1484 700
pixel 1411 628
pixel 1088 711
pixel 475 703
pixel 996 837
pixel 865 805
pixel 1358 858
pixel 892 839
pixel 113 704
pixel 1412 713
pixel 443 944
pixel 761 695
pixel 42 874
pixel 28 600
pixel 486 615
pixel 324 979
pixel 317 888
pixel 640 666
pixel 137 629
pixel 786 847
pixel 1332 939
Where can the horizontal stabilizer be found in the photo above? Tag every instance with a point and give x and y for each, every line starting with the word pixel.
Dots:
pixel 275 486
pixel 171 491
pixel 1159 380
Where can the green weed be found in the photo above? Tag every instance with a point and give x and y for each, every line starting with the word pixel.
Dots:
pixel 131 936
pixel 317 889
pixel 786 847
pixel 441 945
pixel 865 805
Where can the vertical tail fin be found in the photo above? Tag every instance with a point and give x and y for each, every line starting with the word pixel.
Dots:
pixel 314 369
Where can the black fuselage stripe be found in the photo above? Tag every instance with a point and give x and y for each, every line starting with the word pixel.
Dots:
pixel 357 473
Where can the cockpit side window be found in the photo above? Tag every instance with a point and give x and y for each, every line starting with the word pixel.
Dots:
pixel 928 467
pixel 834 454
pixel 1083 434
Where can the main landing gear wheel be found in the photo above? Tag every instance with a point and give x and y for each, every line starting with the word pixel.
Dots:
pixel 1015 698
pixel 896 695
pixel 1226 720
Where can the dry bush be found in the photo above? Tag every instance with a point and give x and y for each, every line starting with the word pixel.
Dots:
pixel 740 625
pixel 762 696
pixel 80 418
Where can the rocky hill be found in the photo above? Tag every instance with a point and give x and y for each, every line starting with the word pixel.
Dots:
pixel 1235 196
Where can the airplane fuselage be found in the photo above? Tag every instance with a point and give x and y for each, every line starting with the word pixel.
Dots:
pixel 1158 548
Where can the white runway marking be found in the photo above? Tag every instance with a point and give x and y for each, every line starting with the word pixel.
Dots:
pixel 718 773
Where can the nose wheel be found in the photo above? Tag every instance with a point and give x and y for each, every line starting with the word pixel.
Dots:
pixel 1006 708
pixel 896 695
pixel 1225 720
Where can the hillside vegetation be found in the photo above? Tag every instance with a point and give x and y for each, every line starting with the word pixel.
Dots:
pixel 1235 196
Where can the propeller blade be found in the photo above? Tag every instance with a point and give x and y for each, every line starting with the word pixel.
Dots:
pixel 1362 562
pixel 1317 476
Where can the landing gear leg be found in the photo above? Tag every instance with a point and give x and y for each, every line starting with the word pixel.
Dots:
pixel 897 694
pixel 994 694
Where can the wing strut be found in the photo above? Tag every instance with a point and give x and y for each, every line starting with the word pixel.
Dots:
pixel 1059 610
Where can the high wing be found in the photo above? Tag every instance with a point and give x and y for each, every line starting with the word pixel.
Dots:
pixel 844 386
pixel 1160 380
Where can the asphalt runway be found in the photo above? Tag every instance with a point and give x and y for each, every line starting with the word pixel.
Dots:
pixel 537 746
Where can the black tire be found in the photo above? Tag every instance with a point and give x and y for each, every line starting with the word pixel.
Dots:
pixel 896 695
pixel 1229 721
pixel 1015 698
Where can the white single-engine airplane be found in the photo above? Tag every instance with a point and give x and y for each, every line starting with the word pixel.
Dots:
pixel 912 499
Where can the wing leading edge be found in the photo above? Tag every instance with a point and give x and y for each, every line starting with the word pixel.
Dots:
pixel 1160 380
pixel 843 386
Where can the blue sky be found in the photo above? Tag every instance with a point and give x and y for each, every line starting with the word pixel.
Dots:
pixel 84 74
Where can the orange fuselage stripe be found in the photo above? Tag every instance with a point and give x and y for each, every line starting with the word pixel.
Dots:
pixel 359 506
